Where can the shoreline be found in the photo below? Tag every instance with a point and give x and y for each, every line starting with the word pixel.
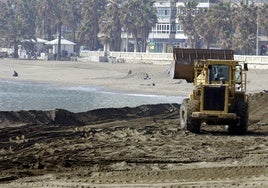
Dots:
pixel 74 98
pixel 105 75
pixel 112 77
pixel 85 87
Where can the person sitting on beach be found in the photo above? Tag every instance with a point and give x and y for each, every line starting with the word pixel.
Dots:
pixel 146 77
pixel 15 74
pixel 129 72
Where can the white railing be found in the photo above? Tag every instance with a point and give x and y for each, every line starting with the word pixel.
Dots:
pixel 254 62
pixel 143 57
pixel 86 53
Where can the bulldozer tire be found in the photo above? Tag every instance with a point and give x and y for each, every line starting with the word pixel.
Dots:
pixel 189 80
pixel 241 125
pixel 186 120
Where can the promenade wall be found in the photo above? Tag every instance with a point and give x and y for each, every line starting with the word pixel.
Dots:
pixel 254 62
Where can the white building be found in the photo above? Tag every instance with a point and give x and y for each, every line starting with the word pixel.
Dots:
pixel 168 32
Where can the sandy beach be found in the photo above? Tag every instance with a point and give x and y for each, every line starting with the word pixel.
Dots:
pixel 117 76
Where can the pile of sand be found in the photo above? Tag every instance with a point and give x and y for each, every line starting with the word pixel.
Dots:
pixel 66 118
pixel 258 108
pixel 258 114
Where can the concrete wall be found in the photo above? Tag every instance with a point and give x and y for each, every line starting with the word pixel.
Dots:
pixel 128 57
pixel 254 62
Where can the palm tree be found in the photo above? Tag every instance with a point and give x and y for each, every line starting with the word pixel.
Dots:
pixel 149 18
pixel 244 20
pixel 187 19
pixel 45 22
pixel 138 18
pixel 84 35
pixel 89 29
pixel 130 21
pixel 27 8
pixel 263 16
pixel 110 25
pixel 55 11
pixel 221 20
pixel 73 16
pixel 17 21
pixel 204 28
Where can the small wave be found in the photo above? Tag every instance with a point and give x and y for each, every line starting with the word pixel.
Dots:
pixel 82 88
pixel 150 95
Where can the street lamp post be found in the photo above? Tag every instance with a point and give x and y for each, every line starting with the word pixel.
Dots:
pixel 257 33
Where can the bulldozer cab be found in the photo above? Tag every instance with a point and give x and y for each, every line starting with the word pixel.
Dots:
pixel 220 72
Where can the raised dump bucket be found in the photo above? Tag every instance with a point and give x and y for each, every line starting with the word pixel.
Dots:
pixel 183 63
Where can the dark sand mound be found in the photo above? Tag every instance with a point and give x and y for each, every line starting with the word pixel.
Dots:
pixel 258 107
pixel 64 117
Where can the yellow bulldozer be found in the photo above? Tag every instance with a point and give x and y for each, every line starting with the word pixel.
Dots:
pixel 219 94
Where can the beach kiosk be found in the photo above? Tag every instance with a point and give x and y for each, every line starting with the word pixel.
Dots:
pixel 67 47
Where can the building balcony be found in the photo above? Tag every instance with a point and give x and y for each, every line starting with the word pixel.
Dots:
pixel 161 35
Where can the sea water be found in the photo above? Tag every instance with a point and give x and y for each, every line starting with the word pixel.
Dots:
pixel 17 95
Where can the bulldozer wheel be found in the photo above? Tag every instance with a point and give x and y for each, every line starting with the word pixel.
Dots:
pixel 189 80
pixel 240 126
pixel 186 121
